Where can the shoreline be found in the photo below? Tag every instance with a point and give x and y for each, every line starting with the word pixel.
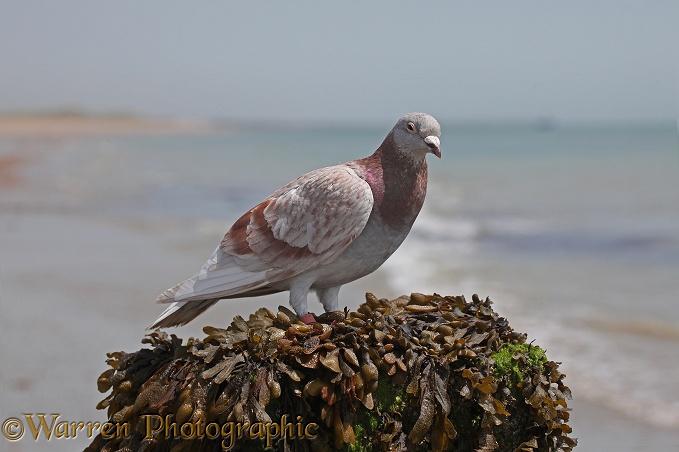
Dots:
pixel 77 125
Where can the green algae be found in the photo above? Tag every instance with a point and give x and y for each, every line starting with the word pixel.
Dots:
pixel 513 360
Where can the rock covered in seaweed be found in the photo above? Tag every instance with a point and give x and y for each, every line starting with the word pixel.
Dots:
pixel 423 372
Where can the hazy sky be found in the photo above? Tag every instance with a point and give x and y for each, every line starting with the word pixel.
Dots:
pixel 345 61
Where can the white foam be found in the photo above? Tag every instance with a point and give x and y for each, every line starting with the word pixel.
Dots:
pixel 621 371
pixel 631 374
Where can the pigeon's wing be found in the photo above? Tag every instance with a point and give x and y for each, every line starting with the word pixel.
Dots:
pixel 303 225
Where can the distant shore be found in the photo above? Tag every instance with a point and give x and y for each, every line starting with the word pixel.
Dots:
pixel 27 127
pixel 76 124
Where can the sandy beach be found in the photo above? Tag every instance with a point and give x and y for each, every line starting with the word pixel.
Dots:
pixel 71 125
pixel 78 280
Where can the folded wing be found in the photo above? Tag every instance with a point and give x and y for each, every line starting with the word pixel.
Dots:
pixel 303 225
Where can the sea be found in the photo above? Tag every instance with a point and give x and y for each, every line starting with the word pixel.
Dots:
pixel 571 230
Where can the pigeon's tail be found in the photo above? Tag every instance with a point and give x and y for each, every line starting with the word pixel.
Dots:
pixel 181 313
pixel 169 296
pixel 191 297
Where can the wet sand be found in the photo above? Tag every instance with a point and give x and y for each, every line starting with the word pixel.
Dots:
pixel 10 170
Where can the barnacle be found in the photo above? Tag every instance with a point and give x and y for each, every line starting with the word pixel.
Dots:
pixel 420 372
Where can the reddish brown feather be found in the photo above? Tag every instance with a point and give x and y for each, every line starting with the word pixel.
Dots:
pixel 398 183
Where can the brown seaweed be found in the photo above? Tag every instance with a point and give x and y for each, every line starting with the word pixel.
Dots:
pixel 414 373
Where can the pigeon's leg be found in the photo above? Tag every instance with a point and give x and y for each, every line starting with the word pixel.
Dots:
pixel 329 298
pixel 298 301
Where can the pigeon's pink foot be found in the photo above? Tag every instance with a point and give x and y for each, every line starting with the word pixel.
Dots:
pixel 308 318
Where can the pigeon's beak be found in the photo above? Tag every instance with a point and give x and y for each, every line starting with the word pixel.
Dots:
pixel 433 142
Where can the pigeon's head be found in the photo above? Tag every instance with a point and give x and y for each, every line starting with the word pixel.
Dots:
pixel 418 134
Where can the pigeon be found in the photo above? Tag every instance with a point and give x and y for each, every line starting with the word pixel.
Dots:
pixel 324 229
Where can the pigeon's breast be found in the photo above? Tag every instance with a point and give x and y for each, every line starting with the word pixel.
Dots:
pixel 365 254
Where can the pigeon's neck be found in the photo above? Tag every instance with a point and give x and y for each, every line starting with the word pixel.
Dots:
pixel 398 182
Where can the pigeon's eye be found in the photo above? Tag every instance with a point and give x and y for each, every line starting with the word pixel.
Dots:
pixel 411 127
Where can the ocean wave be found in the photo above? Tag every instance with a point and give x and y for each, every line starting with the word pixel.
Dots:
pixel 625 372
pixel 625 365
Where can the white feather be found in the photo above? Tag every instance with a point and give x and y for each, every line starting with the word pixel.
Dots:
pixel 224 286
pixel 174 307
